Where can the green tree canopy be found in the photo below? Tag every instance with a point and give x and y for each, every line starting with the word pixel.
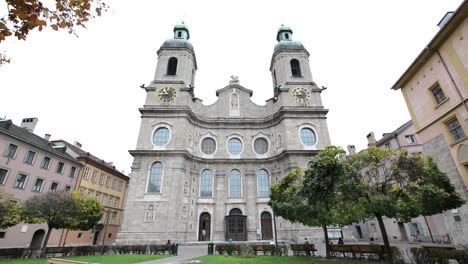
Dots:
pixel 62 210
pixel 10 211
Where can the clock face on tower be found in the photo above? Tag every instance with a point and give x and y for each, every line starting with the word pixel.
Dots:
pixel 167 94
pixel 301 95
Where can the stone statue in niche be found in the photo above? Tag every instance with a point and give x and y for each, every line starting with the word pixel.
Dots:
pixel 234 101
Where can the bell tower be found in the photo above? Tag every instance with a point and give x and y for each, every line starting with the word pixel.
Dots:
pixel 290 61
pixel 176 59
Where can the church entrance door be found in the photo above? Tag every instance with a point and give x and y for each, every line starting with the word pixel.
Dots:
pixel 204 227
pixel 236 225
pixel 267 227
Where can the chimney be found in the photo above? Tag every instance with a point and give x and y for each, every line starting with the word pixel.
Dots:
pixel 47 137
pixel 29 123
pixel 445 19
pixel 371 139
pixel 77 144
pixel 351 150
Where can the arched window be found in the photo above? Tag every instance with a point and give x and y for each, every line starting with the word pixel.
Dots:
pixel 235 184
pixel 161 136
pixel 263 183
pixel 206 184
pixel 179 34
pixel 295 68
pixel 172 66
pixel 235 211
pixel 286 35
pixel 149 213
pixel 154 182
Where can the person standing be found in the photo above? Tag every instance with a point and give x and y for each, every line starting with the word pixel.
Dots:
pixel 203 234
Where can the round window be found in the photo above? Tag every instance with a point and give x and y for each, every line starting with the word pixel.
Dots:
pixel 235 146
pixel 208 146
pixel 161 136
pixel 308 137
pixel 261 146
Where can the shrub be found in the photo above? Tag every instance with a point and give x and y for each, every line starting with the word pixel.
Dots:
pixel 397 256
pixel 246 251
pixel 229 249
pixel 220 249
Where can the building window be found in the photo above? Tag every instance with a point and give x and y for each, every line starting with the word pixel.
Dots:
pixel 72 172
pixel 295 68
pixel 60 167
pixel 117 202
pixel 172 66
pixel 98 196
pixel 37 187
pixel 108 181
pixel 79 235
pixel 111 201
pixel 104 199
pixel 86 173
pixel 54 187
pixel 45 164
pixel 11 151
pixel 410 139
pixel 68 188
pixel 2 234
pixel 90 193
pixel 155 177
pixel 438 94
pixel 455 129
pixel 208 146
pixel 29 158
pixel 20 181
pixel 114 184
pixel 263 183
pixel 206 184
pixel 261 146
pixel 308 137
pixel 3 176
pixel 235 184
pixel 119 187
pixel 82 190
pixel 113 220
pixel 161 136
pixel 235 146
pixel 388 145
pixel 94 179
pixel 101 179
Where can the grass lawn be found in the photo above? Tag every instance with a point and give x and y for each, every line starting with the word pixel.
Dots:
pixel 274 260
pixel 113 259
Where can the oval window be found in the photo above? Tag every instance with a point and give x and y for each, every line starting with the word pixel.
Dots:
pixel 308 137
pixel 261 146
pixel 235 146
pixel 208 146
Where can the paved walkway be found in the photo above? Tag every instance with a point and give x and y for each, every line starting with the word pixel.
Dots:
pixel 185 253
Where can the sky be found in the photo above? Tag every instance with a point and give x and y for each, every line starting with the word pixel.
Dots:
pixel 86 88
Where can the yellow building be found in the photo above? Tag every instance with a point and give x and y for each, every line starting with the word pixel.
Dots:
pixel 105 183
pixel 435 88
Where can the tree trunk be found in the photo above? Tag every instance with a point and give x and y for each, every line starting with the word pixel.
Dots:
pixel 388 250
pixel 327 242
pixel 46 240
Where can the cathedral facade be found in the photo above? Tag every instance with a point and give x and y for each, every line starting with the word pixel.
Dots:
pixel 203 172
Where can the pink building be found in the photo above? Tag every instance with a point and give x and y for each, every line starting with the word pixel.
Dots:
pixel 31 165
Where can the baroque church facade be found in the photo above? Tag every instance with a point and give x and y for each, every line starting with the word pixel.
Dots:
pixel 203 172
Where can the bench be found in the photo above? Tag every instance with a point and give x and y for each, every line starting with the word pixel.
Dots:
pixel 358 250
pixel 303 249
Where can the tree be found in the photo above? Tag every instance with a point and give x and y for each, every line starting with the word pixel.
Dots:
pixel 62 210
pixel 399 185
pixel 27 15
pixel 10 211
pixel 315 198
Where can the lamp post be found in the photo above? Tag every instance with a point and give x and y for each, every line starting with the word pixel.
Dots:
pixel 105 229
pixel 274 224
